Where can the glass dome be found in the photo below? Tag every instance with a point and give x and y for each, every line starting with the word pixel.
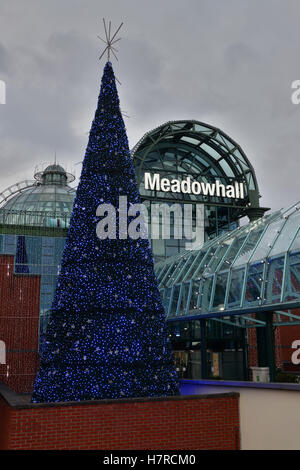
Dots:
pixel 190 148
pixel 47 201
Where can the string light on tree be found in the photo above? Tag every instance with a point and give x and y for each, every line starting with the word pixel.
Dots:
pixel 113 343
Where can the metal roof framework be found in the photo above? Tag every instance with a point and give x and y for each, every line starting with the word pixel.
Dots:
pixel 199 149
pixel 255 268
pixel 29 202
pixel 15 189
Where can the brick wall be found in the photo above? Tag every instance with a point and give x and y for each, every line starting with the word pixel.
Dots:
pixel 19 321
pixel 252 348
pixel 186 422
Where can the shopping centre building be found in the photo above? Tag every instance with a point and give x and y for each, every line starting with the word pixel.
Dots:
pixel 231 297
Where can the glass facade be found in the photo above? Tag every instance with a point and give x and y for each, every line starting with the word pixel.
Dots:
pixel 256 265
pixel 43 199
pixel 182 150
pixel 214 274
pixel 38 253
pixel 46 202
pixel 33 226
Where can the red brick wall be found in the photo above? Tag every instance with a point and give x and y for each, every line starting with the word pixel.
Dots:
pixel 252 348
pixel 188 422
pixel 19 322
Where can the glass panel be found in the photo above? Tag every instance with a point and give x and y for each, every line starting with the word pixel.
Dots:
pixel 191 260
pixel 166 274
pixel 184 298
pixel 286 236
pixel 296 243
pixel 227 142
pixel 292 290
pixel 267 240
pixel 9 244
pixel 166 298
pixel 34 249
pixel 201 160
pixel 174 272
pixel 250 181
pixel 199 128
pixel 204 261
pixel 236 244
pixel 222 220
pixel 245 253
pixel 215 260
pixel 188 261
pixel 190 140
pixel 235 287
pixel 158 248
pixel 254 283
pixel 241 159
pixel 194 295
pixel 212 152
pixel 158 268
pixel 175 300
pixel 206 293
pixel 178 125
pixel 228 171
pixel 220 290
pixel 236 163
pixel 273 283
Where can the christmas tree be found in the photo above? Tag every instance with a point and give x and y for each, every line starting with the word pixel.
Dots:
pixel 107 336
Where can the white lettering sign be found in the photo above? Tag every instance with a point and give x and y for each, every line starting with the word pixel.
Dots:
pixel 186 186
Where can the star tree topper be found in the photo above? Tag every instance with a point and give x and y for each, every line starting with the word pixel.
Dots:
pixel 110 40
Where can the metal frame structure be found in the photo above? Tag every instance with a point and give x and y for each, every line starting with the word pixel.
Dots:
pixel 15 189
pixel 199 149
pixel 255 268
pixel 27 202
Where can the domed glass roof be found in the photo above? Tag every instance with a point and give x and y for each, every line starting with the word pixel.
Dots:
pixel 178 149
pixel 47 198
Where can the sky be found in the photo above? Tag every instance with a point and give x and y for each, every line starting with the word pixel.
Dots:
pixel 227 63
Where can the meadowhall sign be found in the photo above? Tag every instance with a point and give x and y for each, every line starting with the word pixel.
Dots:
pixel 186 186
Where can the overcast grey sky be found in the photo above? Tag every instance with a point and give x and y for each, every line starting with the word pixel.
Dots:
pixel 229 63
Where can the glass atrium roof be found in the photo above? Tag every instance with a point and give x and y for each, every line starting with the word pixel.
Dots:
pixel 253 268
pixel 181 148
pixel 40 202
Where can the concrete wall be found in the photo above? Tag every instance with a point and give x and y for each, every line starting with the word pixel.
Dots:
pixel 269 413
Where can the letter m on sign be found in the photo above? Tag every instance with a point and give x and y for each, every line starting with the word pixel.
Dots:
pixel 2 353
pixel 2 92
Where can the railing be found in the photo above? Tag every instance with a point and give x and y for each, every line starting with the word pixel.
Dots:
pixel 34 218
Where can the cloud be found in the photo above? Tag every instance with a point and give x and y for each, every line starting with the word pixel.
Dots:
pixel 230 64
pixel 4 62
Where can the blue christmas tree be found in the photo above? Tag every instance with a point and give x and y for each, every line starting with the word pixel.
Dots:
pixel 107 336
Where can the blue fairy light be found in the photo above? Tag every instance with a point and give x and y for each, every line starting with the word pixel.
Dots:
pixel 107 336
